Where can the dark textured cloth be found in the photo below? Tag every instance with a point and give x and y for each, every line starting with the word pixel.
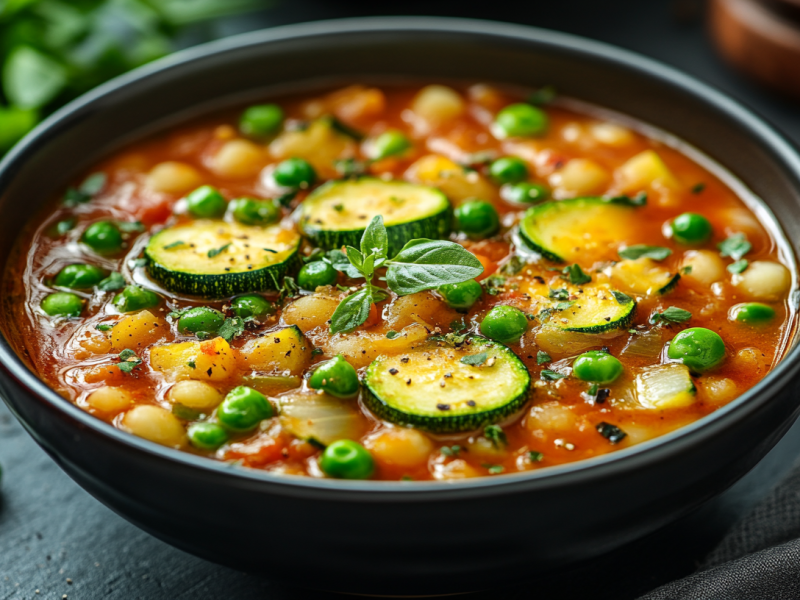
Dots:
pixel 759 559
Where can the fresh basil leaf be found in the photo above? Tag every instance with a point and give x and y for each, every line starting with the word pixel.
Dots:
pixel 128 360
pixel 113 282
pixel 575 275
pixel 355 257
pixel 739 266
pixel 621 298
pixel 231 328
pixel 104 326
pixel 375 241
pixel 92 186
pixel 736 246
pixel 564 305
pixel 475 360
pixel 671 315
pixel 339 262
pixel 549 375
pixel 351 312
pixel 643 250
pixel 368 268
pixel 31 79
pixel 542 357
pixel 559 294
pixel 391 334
pixel 426 264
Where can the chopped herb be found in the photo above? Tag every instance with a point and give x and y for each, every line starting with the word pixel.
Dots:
pixel 496 435
pixel 176 244
pixel 698 187
pixel 316 352
pixel 639 199
pixel 611 432
pixel 130 226
pixel 493 469
pixel 494 285
pixel 542 358
pixel 128 360
pixel 231 328
pixel 451 451
pixel 645 251
pixel 458 326
pixel 339 207
pixel 548 375
pixel 736 246
pixel 559 294
pixel 391 334
pixel 137 262
pixel 406 478
pixel 350 167
pixel 475 360
pixel 73 197
pixel 337 125
pixel 66 225
pixel 451 339
pixel 113 282
pixel 564 305
pixel 543 96
pixel 104 326
pixel 216 251
pixel 671 315
pixel 621 298
pixel 191 364
pixel 286 199
pixel 739 266
pixel 686 270
pixel 93 183
pixel 535 456
pixel 316 254
pixel 270 250
pixel 288 289
pixel 514 265
pixel 575 275
pixel 592 391
pixel 177 314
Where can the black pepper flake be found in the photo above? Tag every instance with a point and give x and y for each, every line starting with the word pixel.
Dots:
pixel 443 406
pixel 602 395
pixel 405 359
pixel 208 372
pixel 611 432
pixel 277 340
pixel 470 402
pixel 408 382
pixel 393 371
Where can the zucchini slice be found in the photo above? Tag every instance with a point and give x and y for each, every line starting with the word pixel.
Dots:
pixel 665 386
pixel 643 276
pixel 582 230
pixel 431 388
pixel 594 309
pixel 215 259
pixel 337 213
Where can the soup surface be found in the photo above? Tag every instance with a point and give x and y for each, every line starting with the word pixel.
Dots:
pixel 579 286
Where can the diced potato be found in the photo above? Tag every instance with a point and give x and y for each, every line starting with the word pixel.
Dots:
pixel 436 103
pixel 764 280
pixel 423 308
pixel 579 177
pixel 210 360
pixel 706 267
pixel 550 417
pixel 455 469
pixel 109 401
pixel 310 312
pixel 137 331
pixel 362 347
pixel 238 159
pixel 319 144
pixel 456 183
pixel 611 134
pixel 356 102
pixel 278 352
pixel 174 178
pixel 644 171
pixel 400 447
pixel 197 395
pixel 155 424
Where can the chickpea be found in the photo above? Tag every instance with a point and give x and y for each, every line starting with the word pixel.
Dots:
pixel 400 447
pixel 198 395
pixel 764 280
pixel 173 178
pixel 438 103
pixel 578 177
pixel 550 416
pixel 718 390
pixel 109 400
pixel 237 159
pixel 706 266
pixel 155 424
pixel 611 134
pixel 455 469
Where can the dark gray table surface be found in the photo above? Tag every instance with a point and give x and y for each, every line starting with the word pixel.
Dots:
pixel 56 541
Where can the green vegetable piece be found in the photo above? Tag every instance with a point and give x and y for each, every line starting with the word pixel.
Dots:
pixel 597 366
pixel 206 435
pixel 103 237
pixel 735 246
pixel 202 321
pixel 79 276
pixel 390 143
pixel 477 218
pixel 315 274
pixel 337 377
pixel 691 228
pixel 261 120
pixel 752 313
pixel 504 324
pixel 346 459
pixel 698 348
pixel 134 298
pixel 243 409
pixel 524 193
pixel 206 203
pixel 520 120
pixel 249 211
pixel 294 173
pixel 62 304
pixel 509 169
pixel 252 306
pixel 461 296
pixel 643 250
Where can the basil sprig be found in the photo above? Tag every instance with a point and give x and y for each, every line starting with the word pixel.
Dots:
pixel 421 265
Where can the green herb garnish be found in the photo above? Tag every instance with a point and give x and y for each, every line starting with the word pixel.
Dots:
pixel 671 315
pixel 645 251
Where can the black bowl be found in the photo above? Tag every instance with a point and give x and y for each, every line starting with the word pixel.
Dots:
pixel 401 537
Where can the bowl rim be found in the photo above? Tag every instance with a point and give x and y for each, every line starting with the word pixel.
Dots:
pixel 613 463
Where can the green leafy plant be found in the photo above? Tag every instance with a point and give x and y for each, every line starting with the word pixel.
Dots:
pixel 421 265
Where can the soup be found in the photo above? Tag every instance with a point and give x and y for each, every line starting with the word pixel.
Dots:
pixel 400 283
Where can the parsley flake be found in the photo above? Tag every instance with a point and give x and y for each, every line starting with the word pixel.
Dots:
pixel 736 246
pixel 216 251
pixel 496 435
pixel 542 358
pixel 671 315
pixel 475 360
pixel 611 432
pixel 548 375
pixel 739 266
pixel 645 251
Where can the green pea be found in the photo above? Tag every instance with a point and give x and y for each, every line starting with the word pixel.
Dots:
pixel 477 218
pixel 206 203
pixel 294 173
pixel 346 459
pixel 206 435
pixel 252 305
pixel 79 276
pixel 461 296
pixel 103 237
pixel 261 120
pixel 337 377
pixel 504 324
pixel 698 348
pixel 249 211
pixel 752 313
pixel 691 228
pixel 390 143
pixel 134 298
pixel 524 193
pixel 597 366
pixel 243 409
pixel 315 274
pixel 62 304
pixel 202 321
pixel 520 120
pixel 508 169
